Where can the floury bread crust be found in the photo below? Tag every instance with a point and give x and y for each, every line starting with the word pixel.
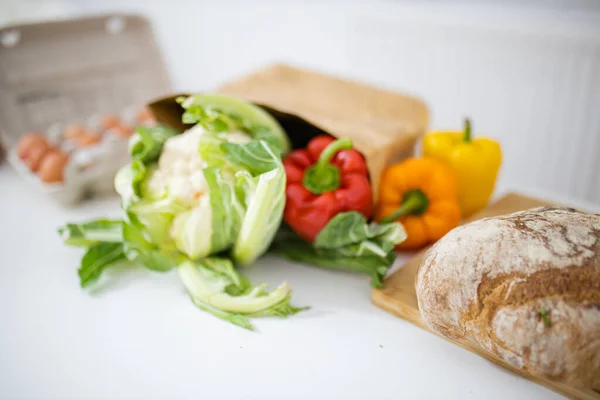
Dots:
pixel 490 281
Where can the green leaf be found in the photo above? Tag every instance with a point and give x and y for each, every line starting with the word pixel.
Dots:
pixel 128 182
pixel 342 259
pixel 138 176
pixel 263 133
pixel 264 197
pixel 236 319
pixel 192 231
pixel 147 145
pixel 156 217
pixel 96 259
pixel 215 286
pixel 343 229
pixel 346 243
pixel 211 152
pixel 256 157
pixel 227 209
pixel 209 285
pixel 352 227
pixel 138 249
pixel 282 310
pixel 224 267
pixel 89 233
pixel 259 202
pixel 220 113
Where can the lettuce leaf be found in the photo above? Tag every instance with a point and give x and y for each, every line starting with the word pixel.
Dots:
pixel 96 259
pixel 128 182
pixel 261 184
pixel 350 228
pixel 137 248
pixel 220 113
pixel 347 242
pixel 227 209
pixel 110 242
pixel 147 144
pixel 86 234
pixel 103 239
pixel 265 200
pixel 156 216
pixel 256 157
pixel 215 286
pixel 210 151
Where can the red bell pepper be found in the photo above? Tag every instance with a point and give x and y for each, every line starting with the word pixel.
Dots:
pixel 323 180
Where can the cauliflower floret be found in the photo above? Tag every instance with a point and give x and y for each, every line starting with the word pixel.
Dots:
pixel 180 166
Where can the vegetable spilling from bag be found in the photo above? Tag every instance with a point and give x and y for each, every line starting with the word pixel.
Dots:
pixel 200 201
pixel 329 200
pixel 323 180
pixel 212 198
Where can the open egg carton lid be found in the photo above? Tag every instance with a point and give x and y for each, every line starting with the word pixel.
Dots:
pixel 76 70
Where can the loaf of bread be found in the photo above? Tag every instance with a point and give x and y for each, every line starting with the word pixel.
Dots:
pixel 523 286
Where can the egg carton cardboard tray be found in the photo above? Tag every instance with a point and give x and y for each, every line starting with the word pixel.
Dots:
pixel 76 70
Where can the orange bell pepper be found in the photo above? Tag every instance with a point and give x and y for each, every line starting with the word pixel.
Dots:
pixel 420 193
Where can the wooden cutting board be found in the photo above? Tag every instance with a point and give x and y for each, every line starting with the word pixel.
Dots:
pixel 398 296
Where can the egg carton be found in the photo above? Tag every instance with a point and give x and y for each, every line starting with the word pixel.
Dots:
pixel 89 171
pixel 56 73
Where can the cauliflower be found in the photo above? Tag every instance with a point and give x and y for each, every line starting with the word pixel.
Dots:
pixel 179 176
pixel 179 171
pixel 205 200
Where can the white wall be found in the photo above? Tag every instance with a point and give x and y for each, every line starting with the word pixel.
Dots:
pixel 528 75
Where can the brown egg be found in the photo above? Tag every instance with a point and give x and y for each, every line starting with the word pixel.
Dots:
pixel 52 166
pixel 124 130
pixel 73 130
pixel 27 141
pixel 89 138
pixel 144 115
pixel 35 154
pixel 110 121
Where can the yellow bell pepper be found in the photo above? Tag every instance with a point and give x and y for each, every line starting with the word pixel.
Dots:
pixel 475 163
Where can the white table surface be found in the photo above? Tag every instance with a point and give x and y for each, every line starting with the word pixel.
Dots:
pixel 138 336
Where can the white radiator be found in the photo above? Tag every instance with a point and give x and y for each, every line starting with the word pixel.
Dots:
pixel 533 83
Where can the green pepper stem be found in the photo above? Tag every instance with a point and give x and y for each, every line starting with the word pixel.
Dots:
pixel 322 176
pixel 414 202
pixel 331 149
pixel 467 137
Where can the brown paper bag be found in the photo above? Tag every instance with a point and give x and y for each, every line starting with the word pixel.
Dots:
pixel 384 126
